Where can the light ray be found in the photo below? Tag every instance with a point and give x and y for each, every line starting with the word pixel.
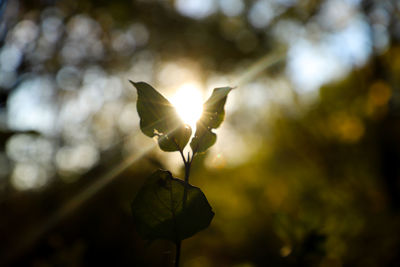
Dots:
pixel 256 68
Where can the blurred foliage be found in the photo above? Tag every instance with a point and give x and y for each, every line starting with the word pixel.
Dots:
pixel 312 178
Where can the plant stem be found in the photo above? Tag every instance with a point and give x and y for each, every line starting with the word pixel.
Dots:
pixel 188 163
pixel 177 253
pixel 183 157
pixel 187 173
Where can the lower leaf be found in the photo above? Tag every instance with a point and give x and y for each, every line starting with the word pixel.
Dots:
pixel 203 139
pixel 158 213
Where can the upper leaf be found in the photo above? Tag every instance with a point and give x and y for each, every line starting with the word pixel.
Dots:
pixel 213 111
pixel 158 213
pixel 211 118
pixel 159 118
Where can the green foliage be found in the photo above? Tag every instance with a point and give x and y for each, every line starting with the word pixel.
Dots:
pixel 159 118
pixel 166 207
pixel 212 117
pixel 158 209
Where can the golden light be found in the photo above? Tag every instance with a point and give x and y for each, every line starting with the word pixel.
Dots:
pixel 188 101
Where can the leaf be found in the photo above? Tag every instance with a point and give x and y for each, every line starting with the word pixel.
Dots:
pixel 159 118
pixel 158 213
pixel 211 118
pixel 203 139
pixel 178 138
pixel 213 112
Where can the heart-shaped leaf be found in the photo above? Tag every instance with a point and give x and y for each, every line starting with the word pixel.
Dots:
pixel 159 118
pixel 158 213
pixel 211 118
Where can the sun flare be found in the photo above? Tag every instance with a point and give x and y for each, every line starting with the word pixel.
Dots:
pixel 188 101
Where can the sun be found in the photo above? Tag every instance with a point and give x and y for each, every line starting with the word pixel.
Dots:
pixel 188 101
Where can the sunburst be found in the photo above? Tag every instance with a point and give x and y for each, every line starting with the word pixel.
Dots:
pixel 188 101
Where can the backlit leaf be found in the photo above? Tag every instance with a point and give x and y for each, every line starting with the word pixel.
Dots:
pixel 159 118
pixel 211 118
pixel 203 139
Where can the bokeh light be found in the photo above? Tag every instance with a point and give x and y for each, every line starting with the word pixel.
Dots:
pixel 197 9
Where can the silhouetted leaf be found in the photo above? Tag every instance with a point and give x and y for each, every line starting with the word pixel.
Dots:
pixel 203 139
pixel 159 118
pixel 180 137
pixel 157 209
pixel 211 118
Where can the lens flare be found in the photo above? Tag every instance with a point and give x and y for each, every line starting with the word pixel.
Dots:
pixel 188 101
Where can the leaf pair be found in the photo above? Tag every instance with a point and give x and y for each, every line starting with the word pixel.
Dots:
pixel 159 118
pixel 159 213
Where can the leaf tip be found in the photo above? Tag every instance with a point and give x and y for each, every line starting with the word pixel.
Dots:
pixel 137 84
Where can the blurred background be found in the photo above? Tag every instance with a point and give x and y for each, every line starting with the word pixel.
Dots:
pixel 306 168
